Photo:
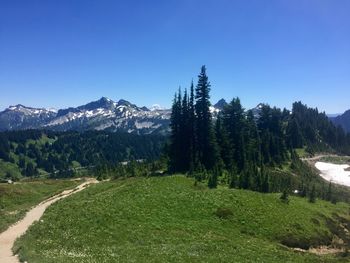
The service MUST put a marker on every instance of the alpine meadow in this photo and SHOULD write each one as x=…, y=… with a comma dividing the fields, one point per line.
x=249, y=161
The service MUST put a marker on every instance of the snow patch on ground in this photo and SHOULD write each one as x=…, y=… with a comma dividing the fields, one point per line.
x=335, y=173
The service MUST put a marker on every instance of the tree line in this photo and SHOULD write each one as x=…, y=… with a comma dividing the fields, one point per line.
x=242, y=146
x=58, y=153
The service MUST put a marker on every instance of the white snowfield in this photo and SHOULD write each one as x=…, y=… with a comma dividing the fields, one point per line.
x=334, y=173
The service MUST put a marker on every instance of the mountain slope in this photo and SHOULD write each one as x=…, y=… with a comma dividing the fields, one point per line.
x=21, y=117
x=343, y=120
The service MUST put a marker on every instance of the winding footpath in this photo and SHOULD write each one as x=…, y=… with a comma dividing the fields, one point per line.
x=8, y=238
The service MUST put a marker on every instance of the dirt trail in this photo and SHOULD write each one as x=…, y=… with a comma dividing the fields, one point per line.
x=8, y=238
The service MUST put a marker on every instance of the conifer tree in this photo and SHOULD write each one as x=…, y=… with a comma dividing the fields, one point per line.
x=192, y=128
x=232, y=177
x=175, y=137
x=185, y=130
x=213, y=177
x=294, y=135
x=223, y=142
x=285, y=196
x=234, y=121
x=206, y=145
x=312, y=196
x=329, y=192
x=266, y=181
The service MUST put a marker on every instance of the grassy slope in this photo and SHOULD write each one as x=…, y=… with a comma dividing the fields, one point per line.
x=16, y=199
x=6, y=167
x=171, y=220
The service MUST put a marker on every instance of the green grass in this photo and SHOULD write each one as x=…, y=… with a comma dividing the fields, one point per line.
x=16, y=199
x=302, y=152
x=169, y=219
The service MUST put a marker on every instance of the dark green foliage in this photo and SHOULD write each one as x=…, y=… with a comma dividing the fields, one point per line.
x=270, y=126
x=329, y=192
x=232, y=182
x=30, y=170
x=252, y=151
x=205, y=138
x=130, y=169
x=213, y=177
x=285, y=197
x=223, y=212
x=192, y=135
x=62, y=154
x=317, y=131
x=294, y=135
x=265, y=187
x=223, y=141
x=312, y=196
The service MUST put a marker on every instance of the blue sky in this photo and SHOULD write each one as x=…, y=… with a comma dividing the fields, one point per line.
x=59, y=53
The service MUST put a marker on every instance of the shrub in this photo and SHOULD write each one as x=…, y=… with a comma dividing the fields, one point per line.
x=223, y=212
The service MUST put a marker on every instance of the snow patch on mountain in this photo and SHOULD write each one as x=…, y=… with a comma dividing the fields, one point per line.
x=101, y=114
x=156, y=107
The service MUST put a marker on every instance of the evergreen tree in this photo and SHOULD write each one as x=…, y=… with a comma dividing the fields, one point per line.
x=30, y=170
x=192, y=128
x=294, y=136
x=213, y=177
x=285, y=196
x=232, y=177
x=329, y=192
x=185, y=129
x=206, y=145
x=312, y=196
x=266, y=182
x=234, y=121
x=223, y=142
x=175, y=137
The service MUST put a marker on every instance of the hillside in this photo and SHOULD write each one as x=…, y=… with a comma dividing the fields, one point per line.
x=343, y=120
x=64, y=154
x=169, y=219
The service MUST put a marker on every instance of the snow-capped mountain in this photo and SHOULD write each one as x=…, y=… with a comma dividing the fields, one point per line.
x=22, y=117
x=103, y=114
x=257, y=110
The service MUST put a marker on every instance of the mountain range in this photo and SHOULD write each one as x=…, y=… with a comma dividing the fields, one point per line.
x=103, y=114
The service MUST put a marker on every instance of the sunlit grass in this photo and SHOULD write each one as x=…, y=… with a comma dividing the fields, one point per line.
x=170, y=220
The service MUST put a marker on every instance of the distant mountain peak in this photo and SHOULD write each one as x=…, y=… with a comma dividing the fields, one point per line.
x=125, y=103
x=29, y=110
x=155, y=107
x=105, y=99
x=220, y=104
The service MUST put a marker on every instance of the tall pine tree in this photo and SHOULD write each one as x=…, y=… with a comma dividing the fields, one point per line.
x=206, y=145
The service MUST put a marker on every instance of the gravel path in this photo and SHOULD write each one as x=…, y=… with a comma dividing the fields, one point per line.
x=8, y=238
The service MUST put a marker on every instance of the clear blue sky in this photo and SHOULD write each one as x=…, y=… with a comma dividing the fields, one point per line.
x=63, y=53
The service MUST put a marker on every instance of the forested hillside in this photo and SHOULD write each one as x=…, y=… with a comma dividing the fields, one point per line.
x=33, y=152
x=256, y=151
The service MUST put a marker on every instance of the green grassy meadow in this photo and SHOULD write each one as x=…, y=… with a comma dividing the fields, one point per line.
x=170, y=219
x=16, y=199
